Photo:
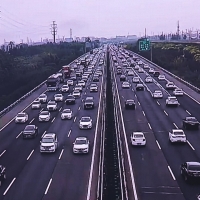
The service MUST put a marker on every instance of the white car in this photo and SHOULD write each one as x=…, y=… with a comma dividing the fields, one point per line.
x=148, y=79
x=81, y=145
x=21, y=117
x=170, y=86
x=93, y=87
x=44, y=116
x=42, y=98
x=136, y=67
x=138, y=138
x=140, y=70
x=157, y=94
x=130, y=73
x=52, y=105
x=151, y=71
x=70, y=82
x=64, y=88
x=48, y=143
x=67, y=114
x=85, y=123
x=177, y=135
x=78, y=87
x=58, y=97
x=136, y=79
x=161, y=77
x=36, y=104
x=126, y=85
x=146, y=66
x=76, y=93
x=81, y=83
x=172, y=101
x=178, y=92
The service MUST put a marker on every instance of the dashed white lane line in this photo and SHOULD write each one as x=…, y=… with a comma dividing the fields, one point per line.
x=135, y=96
x=43, y=133
x=143, y=113
x=171, y=173
x=132, y=89
x=79, y=108
x=158, y=144
x=85, y=92
x=41, y=109
x=123, y=97
x=138, y=103
x=60, y=109
x=30, y=154
x=191, y=145
x=2, y=153
x=158, y=103
x=165, y=113
x=48, y=186
x=74, y=119
x=18, y=134
x=31, y=121
x=188, y=112
x=52, y=120
x=175, y=125
x=69, y=133
x=9, y=186
x=82, y=100
x=149, y=126
x=61, y=154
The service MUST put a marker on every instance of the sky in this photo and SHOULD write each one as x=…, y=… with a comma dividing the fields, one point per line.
x=32, y=19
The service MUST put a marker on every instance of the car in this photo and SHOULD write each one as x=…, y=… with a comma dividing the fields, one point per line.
x=119, y=71
x=156, y=73
x=95, y=79
x=64, y=88
x=139, y=87
x=93, y=87
x=161, y=77
x=21, y=117
x=190, y=123
x=78, y=87
x=48, y=143
x=99, y=72
x=138, y=138
x=170, y=86
x=130, y=104
x=89, y=103
x=136, y=79
x=52, y=105
x=44, y=116
x=58, y=97
x=36, y=104
x=76, y=93
x=190, y=170
x=81, y=83
x=81, y=145
x=178, y=92
x=151, y=71
x=148, y=79
x=130, y=73
x=146, y=66
x=157, y=94
x=137, y=67
x=122, y=78
x=70, y=99
x=128, y=69
x=140, y=70
x=85, y=123
x=70, y=82
x=67, y=114
x=172, y=101
x=30, y=131
x=177, y=135
x=73, y=77
x=2, y=174
x=126, y=85
x=42, y=98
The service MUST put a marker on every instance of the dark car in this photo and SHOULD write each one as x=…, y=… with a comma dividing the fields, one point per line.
x=95, y=79
x=2, y=174
x=190, y=170
x=122, y=78
x=139, y=87
x=89, y=103
x=30, y=131
x=70, y=99
x=119, y=71
x=190, y=123
x=130, y=104
x=156, y=73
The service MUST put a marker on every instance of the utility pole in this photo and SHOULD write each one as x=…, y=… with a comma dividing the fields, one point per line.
x=54, y=31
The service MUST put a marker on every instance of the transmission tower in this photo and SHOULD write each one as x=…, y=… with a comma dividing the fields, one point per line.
x=54, y=31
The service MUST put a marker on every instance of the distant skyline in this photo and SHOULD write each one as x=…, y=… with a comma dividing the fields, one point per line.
x=22, y=19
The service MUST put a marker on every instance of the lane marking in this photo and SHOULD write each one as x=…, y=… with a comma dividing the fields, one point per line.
x=60, y=109
x=143, y=113
x=53, y=120
x=30, y=154
x=171, y=172
x=138, y=103
x=191, y=145
x=43, y=133
x=135, y=96
x=9, y=186
x=123, y=97
x=175, y=125
x=41, y=109
x=158, y=144
x=2, y=153
x=19, y=134
x=79, y=108
x=188, y=112
x=149, y=126
x=158, y=103
x=82, y=100
x=61, y=154
x=165, y=113
x=48, y=186
x=31, y=121
x=69, y=133
x=74, y=119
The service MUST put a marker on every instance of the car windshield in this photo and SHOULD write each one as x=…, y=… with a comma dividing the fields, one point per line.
x=67, y=111
x=194, y=167
x=85, y=119
x=65, y=86
x=44, y=113
x=21, y=115
x=36, y=102
x=51, y=103
x=81, y=141
x=157, y=91
x=42, y=95
x=47, y=140
x=138, y=135
x=192, y=119
x=58, y=95
x=178, y=133
x=93, y=85
x=130, y=101
x=29, y=128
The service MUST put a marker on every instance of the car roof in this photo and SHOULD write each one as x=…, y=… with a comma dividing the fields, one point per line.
x=193, y=163
x=81, y=138
x=49, y=135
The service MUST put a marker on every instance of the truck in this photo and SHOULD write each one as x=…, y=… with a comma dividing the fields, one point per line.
x=53, y=82
x=66, y=71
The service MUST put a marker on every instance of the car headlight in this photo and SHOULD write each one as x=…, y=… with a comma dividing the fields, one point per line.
x=42, y=148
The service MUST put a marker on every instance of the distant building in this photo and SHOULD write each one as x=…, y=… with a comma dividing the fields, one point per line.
x=121, y=37
x=132, y=37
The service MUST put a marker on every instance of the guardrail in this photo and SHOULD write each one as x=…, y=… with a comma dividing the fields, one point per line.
x=169, y=73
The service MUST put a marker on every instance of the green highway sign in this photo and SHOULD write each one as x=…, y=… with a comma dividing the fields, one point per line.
x=144, y=44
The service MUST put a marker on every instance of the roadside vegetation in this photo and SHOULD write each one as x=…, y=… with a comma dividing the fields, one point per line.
x=182, y=60
x=25, y=67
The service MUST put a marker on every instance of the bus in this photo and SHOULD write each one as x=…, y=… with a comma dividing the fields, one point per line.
x=53, y=82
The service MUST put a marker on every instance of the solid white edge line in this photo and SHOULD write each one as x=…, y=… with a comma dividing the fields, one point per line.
x=61, y=154
x=2, y=153
x=30, y=154
x=48, y=186
x=158, y=144
x=31, y=121
x=94, y=145
x=9, y=186
x=53, y=120
x=175, y=125
x=171, y=172
x=191, y=145
x=149, y=126
x=69, y=133
x=18, y=134
x=188, y=112
x=192, y=98
x=165, y=113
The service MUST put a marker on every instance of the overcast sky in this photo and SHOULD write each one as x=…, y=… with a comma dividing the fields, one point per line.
x=20, y=19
